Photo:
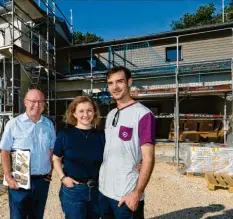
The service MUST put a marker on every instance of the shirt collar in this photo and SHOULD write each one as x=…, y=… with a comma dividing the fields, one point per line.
x=25, y=118
x=127, y=106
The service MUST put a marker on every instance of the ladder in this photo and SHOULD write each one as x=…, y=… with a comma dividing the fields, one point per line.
x=35, y=76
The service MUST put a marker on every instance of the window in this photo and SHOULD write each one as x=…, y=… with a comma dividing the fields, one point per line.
x=171, y=54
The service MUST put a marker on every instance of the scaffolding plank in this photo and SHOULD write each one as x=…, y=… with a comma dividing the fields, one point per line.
x=22, y=55
x=5, y=51
x=33, y=10
x=26, y=57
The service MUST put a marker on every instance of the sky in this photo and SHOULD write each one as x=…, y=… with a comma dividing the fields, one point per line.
x=119, y=19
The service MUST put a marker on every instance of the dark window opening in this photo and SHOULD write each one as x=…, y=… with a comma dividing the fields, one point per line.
x=171, y=54
x=83, y=65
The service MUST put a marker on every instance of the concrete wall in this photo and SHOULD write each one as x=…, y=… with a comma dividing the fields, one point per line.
x=24, y=40
x=5, y=41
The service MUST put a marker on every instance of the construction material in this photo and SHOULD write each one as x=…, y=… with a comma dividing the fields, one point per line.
x=191, y=136
x=209, y=159
x=209, y=136
x=205, y=126
x=190, y=126
x=197, y=131
x=189, y=174
x=217, y=180
x=172, y=136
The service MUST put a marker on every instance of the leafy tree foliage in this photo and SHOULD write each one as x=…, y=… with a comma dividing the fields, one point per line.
x=205, y=14
x=80, y=38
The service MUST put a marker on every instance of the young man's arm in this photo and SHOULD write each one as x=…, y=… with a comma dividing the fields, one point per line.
x=148, y=160
x=146, y=133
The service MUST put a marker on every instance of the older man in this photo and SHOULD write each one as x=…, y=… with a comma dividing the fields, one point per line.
x=36, y=133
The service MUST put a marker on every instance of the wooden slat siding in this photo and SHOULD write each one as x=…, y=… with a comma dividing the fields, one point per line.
x=228, y=179
x=141, y=57
x=206, y=50
x=220, y=180
x=203, y=50
x=102, y=57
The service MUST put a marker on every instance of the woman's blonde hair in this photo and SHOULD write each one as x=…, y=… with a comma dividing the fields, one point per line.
x=69, y=117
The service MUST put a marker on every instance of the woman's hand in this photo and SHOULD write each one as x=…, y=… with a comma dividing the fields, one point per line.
x=138, y=167
x=69, y=182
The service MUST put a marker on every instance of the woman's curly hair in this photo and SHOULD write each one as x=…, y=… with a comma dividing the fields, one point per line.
x=69, y=117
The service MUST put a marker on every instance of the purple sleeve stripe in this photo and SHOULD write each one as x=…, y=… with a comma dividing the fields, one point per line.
x=147, y=129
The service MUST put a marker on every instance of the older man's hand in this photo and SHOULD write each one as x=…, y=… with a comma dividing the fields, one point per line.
x=12, y=183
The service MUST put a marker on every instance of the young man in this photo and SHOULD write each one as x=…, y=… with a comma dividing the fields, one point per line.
x=130, y=139
x=30, y=131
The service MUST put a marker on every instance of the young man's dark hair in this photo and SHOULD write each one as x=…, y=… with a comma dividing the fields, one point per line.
x=117, y=69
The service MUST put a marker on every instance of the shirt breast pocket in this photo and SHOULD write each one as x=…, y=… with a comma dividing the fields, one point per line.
x=125, y=133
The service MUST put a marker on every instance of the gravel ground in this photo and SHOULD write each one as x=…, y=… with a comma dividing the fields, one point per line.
x=169, y=195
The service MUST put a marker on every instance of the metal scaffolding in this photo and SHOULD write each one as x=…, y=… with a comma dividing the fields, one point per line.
x=189, y=78
x=28, y=45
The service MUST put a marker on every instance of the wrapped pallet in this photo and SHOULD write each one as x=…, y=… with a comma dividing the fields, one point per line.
x=209, y=159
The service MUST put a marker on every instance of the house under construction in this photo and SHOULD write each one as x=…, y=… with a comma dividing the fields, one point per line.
x=29, y=36
x=184, y=77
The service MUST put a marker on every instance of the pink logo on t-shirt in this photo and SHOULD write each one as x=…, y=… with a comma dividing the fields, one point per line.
x=125, y=133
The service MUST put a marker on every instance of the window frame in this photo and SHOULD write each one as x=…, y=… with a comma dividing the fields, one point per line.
x=173, y=48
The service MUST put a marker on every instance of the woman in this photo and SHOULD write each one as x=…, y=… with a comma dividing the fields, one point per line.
x=81, y=149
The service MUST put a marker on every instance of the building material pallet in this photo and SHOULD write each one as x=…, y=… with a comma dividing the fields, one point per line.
x=193, y=174
x=222, y=180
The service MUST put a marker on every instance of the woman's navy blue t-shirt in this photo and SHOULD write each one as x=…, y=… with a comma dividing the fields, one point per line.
x=82, y=152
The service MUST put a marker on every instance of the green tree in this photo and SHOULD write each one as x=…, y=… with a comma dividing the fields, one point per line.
x=79, y=38
x=229, y=11
x=204, y=15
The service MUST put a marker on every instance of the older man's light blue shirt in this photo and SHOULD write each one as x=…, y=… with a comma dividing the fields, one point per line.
x=22, y=133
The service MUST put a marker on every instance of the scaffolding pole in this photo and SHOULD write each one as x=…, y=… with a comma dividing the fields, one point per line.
x=48, y=66
x=231, y=119
x=225, y=118
x=71, y=27
x=180, y=73
x=12, y=59
x=9, y=106
x=91, y=71
x=177, y=103
x=54, y=60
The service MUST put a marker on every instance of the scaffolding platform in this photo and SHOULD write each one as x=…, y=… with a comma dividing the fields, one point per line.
x=21, y=54
x=6, y=51
x=222, y=88
x=30, y=7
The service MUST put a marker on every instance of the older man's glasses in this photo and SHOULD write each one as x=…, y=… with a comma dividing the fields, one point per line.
x=33, y=102
x=116, y=118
